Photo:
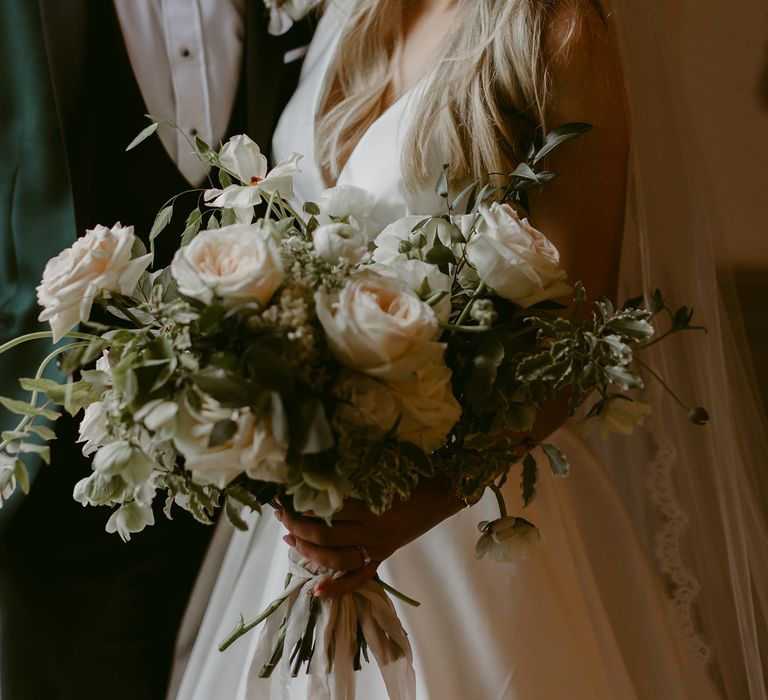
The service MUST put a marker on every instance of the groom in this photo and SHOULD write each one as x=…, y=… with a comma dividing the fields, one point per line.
x=83, y=615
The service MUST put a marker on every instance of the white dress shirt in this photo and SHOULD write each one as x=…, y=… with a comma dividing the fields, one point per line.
x=187, y=56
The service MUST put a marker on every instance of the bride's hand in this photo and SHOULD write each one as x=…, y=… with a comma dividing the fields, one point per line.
x=356, y=531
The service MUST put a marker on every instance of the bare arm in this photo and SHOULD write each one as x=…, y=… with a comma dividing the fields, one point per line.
x=582, y=212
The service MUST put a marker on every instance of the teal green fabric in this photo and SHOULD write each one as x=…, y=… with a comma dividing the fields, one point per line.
x=37, y=216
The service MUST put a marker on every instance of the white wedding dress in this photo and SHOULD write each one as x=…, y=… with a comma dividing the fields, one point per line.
x=584, y=618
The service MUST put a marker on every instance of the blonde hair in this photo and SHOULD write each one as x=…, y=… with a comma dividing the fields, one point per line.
x=485, y=97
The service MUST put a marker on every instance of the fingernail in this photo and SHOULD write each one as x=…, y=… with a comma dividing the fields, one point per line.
x=279, y=515
x=290, y=540
x=318, y=591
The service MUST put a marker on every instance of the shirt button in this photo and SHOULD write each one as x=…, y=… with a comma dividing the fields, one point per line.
x=185, y=52
x=193, y=131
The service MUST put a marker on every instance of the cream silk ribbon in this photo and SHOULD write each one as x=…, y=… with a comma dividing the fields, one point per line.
x=335, y=628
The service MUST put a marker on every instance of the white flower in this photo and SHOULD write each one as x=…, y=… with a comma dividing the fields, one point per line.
x=335, y=241
x=424, y=279
x=346, y=202
x=120, y=458
x=366, y=402
x=507, y=539
x=378, y=325
x=398, y=242
x=283, y=13
x=159, y=416
x=247, y=447
x=429, y=408
x=100, y=261
x=93, y=427
x=129, y=518
x=239, y=264
x=618, y=414
x=242, y=157
x=423, y=408
x=101, y=490
x=514, y=259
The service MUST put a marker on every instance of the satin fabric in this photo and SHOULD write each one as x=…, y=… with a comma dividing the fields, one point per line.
x=584, y=617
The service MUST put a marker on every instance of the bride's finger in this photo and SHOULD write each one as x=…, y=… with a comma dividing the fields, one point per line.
x=341, y=559
x=351, y=581
x=317, y=532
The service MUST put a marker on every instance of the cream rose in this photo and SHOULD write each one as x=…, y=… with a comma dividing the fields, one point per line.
x=100, y=261
x=239, y=263
x=248, y=448
x=423, y=407
x=366, y=402
x=424, y=279
x=378, y=325
x=335, y=241
x=514, y=259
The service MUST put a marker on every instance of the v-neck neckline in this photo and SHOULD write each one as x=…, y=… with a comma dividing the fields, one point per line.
x=330, y=57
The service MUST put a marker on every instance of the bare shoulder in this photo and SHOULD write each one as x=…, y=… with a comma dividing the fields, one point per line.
x=583, y=60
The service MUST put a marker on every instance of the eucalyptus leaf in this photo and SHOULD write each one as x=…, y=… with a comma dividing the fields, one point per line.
x=21, y=474
x=441, y=255
x=144, y=134
x=558, y=136
x=24, y=409
x=162, y=220
x=311, y=208
x=228, y=217
x=192, y=226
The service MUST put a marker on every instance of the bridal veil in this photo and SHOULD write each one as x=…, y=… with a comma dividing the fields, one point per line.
x=698, y=494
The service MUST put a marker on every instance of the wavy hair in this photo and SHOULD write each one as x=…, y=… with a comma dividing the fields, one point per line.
x=487, y=93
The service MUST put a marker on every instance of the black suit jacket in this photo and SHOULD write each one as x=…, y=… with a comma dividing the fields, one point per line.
x=83, y=615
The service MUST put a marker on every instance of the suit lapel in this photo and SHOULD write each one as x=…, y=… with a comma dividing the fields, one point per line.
x=269, y=82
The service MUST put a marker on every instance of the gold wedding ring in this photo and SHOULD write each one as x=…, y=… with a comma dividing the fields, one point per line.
x=366, y=556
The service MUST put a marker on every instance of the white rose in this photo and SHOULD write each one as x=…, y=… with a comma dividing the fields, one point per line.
x=429, y=408
x=618, y=414
x=378, y=325
x=345, y=202
x=335, y=241
x=366, y=402
x=514, y=259
x=239, y=263
x=507, y=539
x=424, y=279
x=100, y=261
x=423, y=407
x=250, y=448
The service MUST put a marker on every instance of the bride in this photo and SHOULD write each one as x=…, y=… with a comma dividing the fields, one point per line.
x=390, y=91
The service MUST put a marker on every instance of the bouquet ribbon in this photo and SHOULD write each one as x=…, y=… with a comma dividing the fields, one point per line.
x=331, y=629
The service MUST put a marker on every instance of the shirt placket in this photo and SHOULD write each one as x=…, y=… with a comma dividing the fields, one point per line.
x=186, y=57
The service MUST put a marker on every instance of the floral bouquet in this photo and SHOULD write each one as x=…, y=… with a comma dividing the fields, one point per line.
x=304, y=357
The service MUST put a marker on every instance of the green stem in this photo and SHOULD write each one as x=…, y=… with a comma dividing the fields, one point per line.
x=24, y=422
x=397, y=594
x=242, y=628
x=127, y=312
x=666, y=386
x=465, y=312
x=42, y=335
x=499, y=499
